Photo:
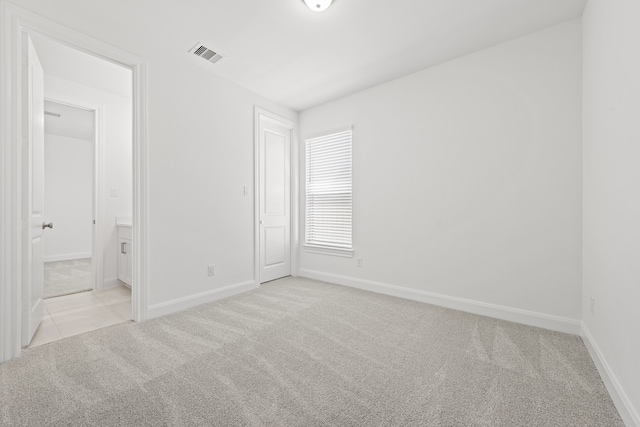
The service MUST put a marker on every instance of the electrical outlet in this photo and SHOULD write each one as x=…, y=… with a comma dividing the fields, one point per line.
x=359, y=262
x=114, y=192
x=593, y=306
x=212, y=270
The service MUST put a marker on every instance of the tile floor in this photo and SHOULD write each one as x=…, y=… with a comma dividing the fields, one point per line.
x=75, y=314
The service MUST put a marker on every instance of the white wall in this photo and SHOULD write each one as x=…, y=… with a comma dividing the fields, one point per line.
x=68, y=200
x=467, y=182
x=201, y=156
x=117, y=158
x=611, y=253
x=200, y=147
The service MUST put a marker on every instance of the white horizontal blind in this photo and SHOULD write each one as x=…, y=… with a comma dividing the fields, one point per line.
x=328, y=191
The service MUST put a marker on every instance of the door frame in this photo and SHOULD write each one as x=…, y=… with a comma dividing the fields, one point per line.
x=261, y=115
x=13, y=22
x=98, y=200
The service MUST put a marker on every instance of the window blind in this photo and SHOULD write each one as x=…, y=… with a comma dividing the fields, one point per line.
x=328, y=191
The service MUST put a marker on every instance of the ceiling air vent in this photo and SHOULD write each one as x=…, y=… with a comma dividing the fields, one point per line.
x=204, y=52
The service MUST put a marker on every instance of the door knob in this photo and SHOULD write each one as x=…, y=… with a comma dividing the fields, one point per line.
x=45, y=225
x=261, y=222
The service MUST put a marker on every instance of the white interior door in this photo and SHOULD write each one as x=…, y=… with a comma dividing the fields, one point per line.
x=33, y=199
x=275, y=199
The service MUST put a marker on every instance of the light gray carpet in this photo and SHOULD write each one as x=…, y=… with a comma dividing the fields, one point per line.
x=67, y=277
x=298, y=352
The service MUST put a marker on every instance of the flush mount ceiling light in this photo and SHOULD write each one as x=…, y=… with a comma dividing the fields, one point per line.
x=318, y=5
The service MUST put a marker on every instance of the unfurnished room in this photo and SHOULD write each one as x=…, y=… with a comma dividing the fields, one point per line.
x=320, y=213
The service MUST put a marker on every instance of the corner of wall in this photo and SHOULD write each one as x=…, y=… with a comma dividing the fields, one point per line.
x=623, y=404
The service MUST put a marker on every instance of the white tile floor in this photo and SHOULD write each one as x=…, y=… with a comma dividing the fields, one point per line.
x=78, y=313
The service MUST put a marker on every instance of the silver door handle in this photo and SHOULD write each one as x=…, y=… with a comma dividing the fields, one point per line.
x=123, y=245
x=45, y=225
x=261, y=222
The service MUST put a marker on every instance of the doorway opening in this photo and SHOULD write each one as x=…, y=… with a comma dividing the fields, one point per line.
x=69, y=182
x=88, y=136
x=15, y=280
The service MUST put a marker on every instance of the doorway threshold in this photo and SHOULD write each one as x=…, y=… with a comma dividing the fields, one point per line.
x=75, y=314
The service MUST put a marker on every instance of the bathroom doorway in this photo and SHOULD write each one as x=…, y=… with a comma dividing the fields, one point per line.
x=69, y=198
x=20, y=283
x=88, y=190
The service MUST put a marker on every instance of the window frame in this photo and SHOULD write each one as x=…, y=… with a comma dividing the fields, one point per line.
x=312, y=247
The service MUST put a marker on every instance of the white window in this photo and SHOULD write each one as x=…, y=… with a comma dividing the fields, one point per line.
x=328, y=194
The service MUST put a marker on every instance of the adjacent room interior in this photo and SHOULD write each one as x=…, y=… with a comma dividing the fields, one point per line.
x=87, y=191
x=326, y=212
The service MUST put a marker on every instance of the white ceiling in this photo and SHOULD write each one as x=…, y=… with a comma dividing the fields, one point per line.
x=70, y=64
x=299, y=58
x=73, y=122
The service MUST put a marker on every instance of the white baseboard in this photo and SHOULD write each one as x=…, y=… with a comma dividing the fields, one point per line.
x=111, y=282
x=67, y=257
x=184, y=303
x=531, y=318
x=625, y=408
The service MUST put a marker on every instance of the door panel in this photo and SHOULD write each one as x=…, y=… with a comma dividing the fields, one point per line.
x=275, y=239
x=37, y=277
x=274, y=174
x=275, y=199
x=33, y=207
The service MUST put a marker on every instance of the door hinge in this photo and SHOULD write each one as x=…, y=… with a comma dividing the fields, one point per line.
x=94, y=222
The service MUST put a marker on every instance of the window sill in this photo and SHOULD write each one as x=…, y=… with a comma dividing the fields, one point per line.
x=345, y=253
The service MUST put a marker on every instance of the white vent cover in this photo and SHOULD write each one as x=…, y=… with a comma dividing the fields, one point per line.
x=204, y=52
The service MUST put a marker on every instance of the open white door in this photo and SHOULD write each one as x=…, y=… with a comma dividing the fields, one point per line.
x=275, y=198
x=33, y=184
